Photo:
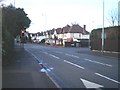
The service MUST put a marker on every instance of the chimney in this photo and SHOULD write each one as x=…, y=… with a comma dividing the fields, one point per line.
x=84, y=29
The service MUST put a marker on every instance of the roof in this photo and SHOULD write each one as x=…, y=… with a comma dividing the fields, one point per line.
x=66, y=29
x=86, y=32
x=76, y=29
x=59, y=30
x=50, y=32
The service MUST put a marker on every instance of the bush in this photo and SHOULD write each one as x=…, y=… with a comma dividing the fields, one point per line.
x=7, y=45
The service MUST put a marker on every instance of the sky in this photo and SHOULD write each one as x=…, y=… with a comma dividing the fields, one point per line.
x=49, y=14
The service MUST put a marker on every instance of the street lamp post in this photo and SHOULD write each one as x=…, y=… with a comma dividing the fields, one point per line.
x=45, y=16
x=103, y=30
x=14, y=3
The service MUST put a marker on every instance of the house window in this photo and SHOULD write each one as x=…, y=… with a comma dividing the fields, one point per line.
x=64, y=35
x=79, y=35
x=73, y=35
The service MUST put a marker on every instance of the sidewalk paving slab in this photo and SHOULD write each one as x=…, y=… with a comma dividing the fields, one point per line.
x=24, y=72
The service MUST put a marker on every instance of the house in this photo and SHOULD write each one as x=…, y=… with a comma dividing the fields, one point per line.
x=50, y=33
x=56, y=36
x=50, y=37
x=60, y=36
x=65, y=33
x=75, y=33
x=59, y=32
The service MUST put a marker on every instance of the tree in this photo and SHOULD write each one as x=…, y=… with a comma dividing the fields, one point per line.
x=13, y=21
x=113, y=17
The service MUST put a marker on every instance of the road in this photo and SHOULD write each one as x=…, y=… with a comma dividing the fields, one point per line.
x=70, y=68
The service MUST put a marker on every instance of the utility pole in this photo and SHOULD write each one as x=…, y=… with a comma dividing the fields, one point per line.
x=14, y=3
x=45, y=16
x=119, y=13
x=103, y=30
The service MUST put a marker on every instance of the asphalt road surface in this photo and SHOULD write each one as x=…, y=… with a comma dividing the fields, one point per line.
x=70, y=68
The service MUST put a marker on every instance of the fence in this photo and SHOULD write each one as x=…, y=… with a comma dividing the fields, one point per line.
x=111, y=40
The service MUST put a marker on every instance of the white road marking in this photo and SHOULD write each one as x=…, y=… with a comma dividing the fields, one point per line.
x=72, y=55
x=108, y=65
x=58, y=52
x=74, y=64
x=54, y=56
x=75, y=56
x=89, y=84
x=107, y=78
x=40, y=63
x=67, y=54
x=43, y=70
x=45, y=52
x=98, y=62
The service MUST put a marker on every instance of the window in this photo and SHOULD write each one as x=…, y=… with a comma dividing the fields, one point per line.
x=79, y=35
x=64, y=35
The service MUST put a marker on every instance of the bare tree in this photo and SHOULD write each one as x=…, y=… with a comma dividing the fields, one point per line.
x=113, y=17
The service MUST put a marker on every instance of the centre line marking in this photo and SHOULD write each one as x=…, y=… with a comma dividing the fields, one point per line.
x=68, y=54
x=58, y=52
x=54, y=56
x=45, y=52
x=74, y=64
x=75, y=56
x=98, y=62
x=72, y=55
x=107, y=78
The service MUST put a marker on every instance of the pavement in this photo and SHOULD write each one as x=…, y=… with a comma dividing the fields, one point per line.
x=101, y=54
x=23, y=71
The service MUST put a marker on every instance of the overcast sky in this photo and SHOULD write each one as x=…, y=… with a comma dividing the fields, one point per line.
x=49, y=14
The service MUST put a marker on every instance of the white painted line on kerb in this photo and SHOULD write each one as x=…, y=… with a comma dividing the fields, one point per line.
x=98, y=62
x=72, y=55
x=40, y=62
x=74, y=64
x=107, y=78
x=54, y=56
x=58, y=86
x=32, y=54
